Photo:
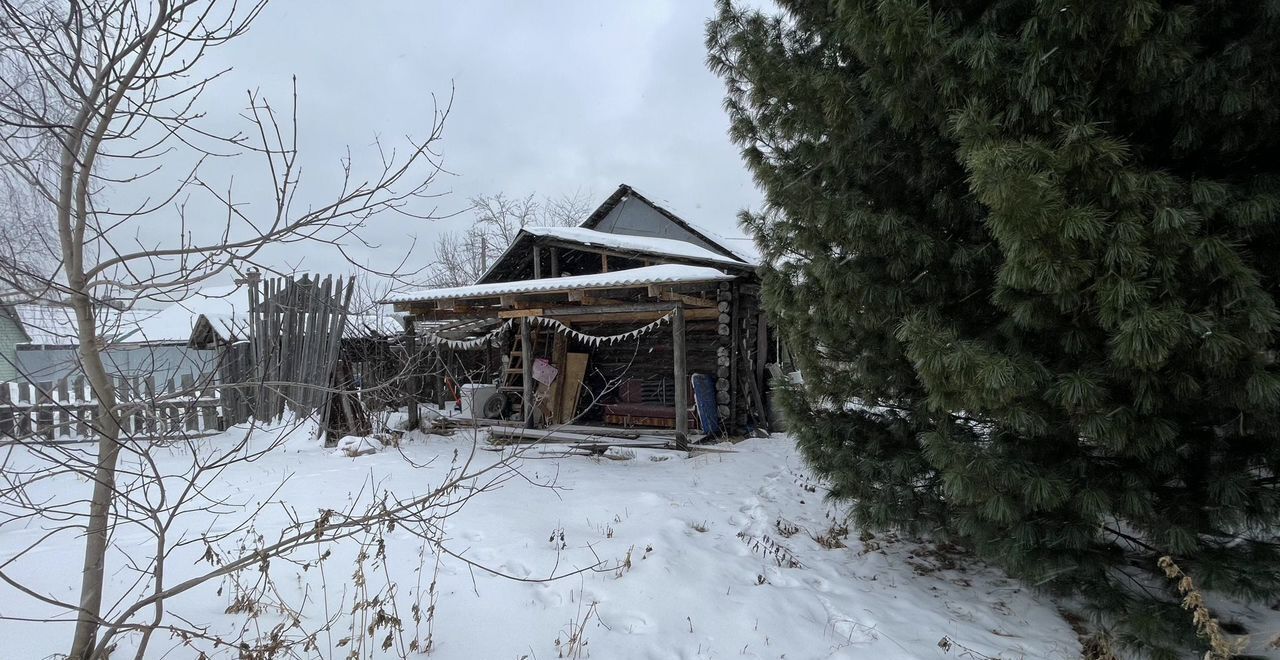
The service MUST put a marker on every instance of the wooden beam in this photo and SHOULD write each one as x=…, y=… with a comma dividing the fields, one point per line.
x=519, y=313
x=671, y=296
x=610, y=309
x=555, y=261
x=537, y=261
x=604, y=262
x=410, y=331
x=590, y=315
x=526, y=361
x=681, y=378
x=762, y=353
x=587, y=297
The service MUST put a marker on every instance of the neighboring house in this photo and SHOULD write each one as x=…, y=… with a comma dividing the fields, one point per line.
x=183, y=339
x=52, y=353
x=11, y=334
x=589, y=304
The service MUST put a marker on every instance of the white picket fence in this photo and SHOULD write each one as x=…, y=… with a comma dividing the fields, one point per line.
x=66, y=410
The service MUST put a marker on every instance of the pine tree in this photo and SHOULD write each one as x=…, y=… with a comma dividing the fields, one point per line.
x=1029, y=254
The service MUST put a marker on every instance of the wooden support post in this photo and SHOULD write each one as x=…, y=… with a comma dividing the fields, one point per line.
x=762, y=356
x=604, y=263
x=526, y=362
x=537, y=262
x=411, y=335
x=441, y=366
x=555, y=261
x=681, y=378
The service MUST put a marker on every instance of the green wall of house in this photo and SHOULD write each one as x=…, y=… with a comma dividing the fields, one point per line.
x=11, y=335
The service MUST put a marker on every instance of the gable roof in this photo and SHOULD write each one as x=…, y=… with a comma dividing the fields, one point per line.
x=741, y=249
x=631, y=277
x=651, y=232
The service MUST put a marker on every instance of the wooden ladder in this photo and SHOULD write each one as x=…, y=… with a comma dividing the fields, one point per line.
x=513, y=382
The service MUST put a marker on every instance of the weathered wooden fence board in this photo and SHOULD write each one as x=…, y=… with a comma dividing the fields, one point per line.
x=66, y=410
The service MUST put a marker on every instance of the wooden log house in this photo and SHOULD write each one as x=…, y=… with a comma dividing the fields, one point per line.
x=635, y=318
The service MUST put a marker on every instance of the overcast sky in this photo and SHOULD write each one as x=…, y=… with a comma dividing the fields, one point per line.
x=549, y=98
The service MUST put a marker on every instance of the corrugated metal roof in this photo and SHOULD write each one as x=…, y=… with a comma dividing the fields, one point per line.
x=55, y=325
x=661, y=274
x=626, y=242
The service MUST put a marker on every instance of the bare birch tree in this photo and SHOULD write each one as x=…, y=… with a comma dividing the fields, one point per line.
x=462, y=257
x=114, y=87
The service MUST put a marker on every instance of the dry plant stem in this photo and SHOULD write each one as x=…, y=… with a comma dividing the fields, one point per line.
x=1221, y=647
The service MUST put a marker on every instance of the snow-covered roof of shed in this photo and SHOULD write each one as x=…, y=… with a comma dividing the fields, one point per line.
x=660, y=274
x=223, y=307
x=55, y=325
x=642, y=244
x=174, y=323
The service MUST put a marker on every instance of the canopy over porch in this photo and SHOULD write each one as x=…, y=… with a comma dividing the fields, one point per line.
x=595, y=311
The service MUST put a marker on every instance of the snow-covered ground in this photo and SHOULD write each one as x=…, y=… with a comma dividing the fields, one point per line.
x=723, y=555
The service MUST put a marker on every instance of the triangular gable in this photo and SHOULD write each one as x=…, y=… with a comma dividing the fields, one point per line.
x=10, y=313
x=626, y=211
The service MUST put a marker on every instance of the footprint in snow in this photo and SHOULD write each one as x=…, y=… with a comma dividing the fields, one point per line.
x=627, y=623
x=515, y=569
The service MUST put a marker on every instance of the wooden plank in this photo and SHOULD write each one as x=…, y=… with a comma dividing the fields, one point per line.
x=589, y=297
x=411, y=400
x=626, y=317
x=762, y=355
x=526, y=361
x=574, y=371
x=83, y=415
x=556, y=437
x=610, y=309
x=735, y=358
x=190, y=414
x=681, y=378
x=290, y=362
x=559, y=357
x=518, y=313
x=22, y=416
x=691, y=301
x=209, y=416
x=6, y=410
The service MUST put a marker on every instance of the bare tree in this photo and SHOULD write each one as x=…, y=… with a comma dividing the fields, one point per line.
x=114, y=86
x=99, y=103
x=462, y=257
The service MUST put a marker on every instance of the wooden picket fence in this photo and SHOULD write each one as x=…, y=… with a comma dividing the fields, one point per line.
x=66, y=410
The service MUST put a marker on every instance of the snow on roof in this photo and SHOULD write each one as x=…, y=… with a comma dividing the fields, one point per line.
x=220, y=304
x=55, y=325
x=643, y=244
x=224, y=308
x=661, y=274
x=742, y=246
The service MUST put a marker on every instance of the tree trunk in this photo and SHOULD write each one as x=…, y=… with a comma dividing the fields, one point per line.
x=96, y=531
